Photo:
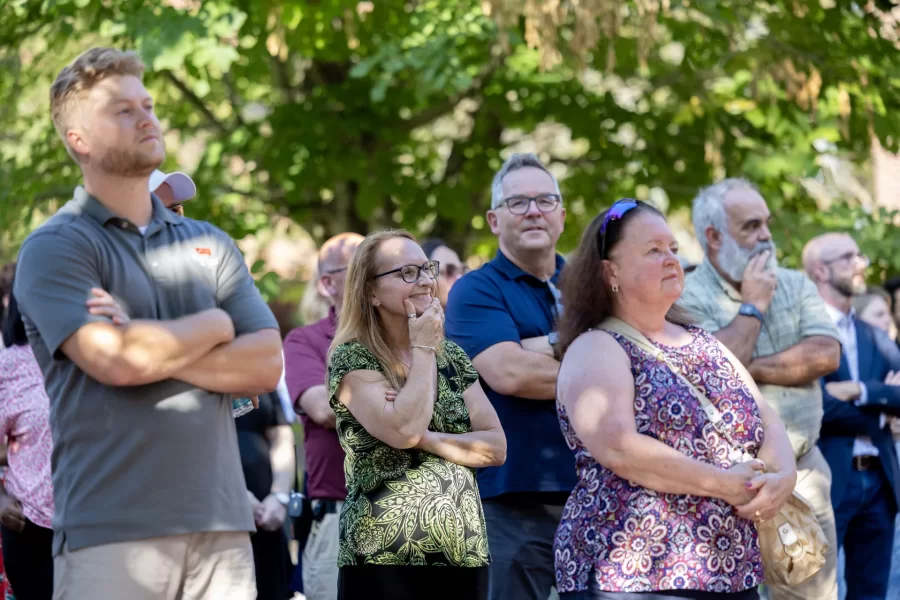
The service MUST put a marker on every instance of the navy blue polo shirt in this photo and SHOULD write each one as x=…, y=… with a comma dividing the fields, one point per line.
x=502, y=303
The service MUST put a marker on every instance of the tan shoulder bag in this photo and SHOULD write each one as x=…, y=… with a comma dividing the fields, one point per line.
x=792, y=544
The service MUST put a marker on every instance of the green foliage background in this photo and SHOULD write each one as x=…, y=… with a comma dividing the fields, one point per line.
x=346, y=115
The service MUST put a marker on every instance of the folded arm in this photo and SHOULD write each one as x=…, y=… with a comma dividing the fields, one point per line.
x=844, y=418
x=880, y=398
x=513, y=371
x=145, y=352
x=314, y=404
x=249, y=365
x=801, y=364
x=483, y=446
x=399, y=423
x=740, y=337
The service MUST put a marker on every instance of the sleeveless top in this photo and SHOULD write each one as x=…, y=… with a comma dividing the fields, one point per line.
x=408, y=507
x=632, y=539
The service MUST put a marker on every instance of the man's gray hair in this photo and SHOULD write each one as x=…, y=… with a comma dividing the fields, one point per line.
x=709, y=207
x=520, y=160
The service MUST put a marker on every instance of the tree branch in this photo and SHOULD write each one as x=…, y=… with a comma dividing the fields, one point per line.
x=433, y=112
x=197, y=102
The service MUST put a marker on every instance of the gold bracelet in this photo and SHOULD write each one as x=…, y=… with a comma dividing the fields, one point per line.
x=432, y=348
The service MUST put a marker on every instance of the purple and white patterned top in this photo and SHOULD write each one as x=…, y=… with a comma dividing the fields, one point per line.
x=633, y=539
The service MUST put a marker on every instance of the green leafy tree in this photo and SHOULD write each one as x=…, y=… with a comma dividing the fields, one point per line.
x=346, y=115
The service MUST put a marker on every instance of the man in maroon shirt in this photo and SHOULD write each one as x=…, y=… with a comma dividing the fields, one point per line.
x=305, y=358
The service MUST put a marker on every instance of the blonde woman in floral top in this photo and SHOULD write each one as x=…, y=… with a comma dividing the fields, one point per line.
x=663, y=509
x=414, y=423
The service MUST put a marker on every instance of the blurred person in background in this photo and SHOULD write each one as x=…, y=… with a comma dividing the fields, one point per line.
x=414, y=423
x=266, y=442
x=504, y=316
x=855, y=440
x=305, y=363
x=450, y=266
x=314, y=306
x=26, y=498
x=174, y=189
x=662, y=508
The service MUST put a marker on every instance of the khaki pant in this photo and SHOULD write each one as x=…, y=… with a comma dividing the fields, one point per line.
x=814, y=484
x=195, y=566
x=320, y=570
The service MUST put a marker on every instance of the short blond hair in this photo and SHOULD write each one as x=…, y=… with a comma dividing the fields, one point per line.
x=76, y=80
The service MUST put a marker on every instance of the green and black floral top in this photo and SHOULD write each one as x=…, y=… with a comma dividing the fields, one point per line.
x=408, y=507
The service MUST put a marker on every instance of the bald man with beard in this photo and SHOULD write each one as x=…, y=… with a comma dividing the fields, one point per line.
x=305, y=359
x=855, y=440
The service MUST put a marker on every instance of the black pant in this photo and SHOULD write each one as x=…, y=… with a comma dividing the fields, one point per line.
x=273, y=565
x=28, y=560
x=388, y=582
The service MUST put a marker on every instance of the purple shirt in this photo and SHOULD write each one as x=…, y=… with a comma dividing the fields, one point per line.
x=305, y=363
x=632, y=539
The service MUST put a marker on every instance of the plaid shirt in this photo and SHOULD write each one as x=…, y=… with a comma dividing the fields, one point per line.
x=796, y=312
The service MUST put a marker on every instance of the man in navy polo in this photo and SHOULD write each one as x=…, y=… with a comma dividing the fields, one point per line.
x=504, y=316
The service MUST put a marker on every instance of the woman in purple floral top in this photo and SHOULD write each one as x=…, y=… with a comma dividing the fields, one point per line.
x=659, y=509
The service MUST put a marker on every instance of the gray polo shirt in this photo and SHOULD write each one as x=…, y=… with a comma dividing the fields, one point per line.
x=133, y=463
x=796, y=312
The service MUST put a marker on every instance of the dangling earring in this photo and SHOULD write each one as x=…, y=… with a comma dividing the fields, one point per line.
x=615, y=288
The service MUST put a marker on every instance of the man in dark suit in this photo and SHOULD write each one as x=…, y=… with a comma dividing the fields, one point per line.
x=855, y=441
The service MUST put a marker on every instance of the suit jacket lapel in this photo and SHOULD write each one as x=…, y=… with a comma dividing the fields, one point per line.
x=865, y=347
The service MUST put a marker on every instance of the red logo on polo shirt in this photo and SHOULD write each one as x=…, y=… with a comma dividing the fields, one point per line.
x=204, y=251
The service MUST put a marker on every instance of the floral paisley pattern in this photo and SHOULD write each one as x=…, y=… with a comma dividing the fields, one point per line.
x=632, y=539
x=408, y=507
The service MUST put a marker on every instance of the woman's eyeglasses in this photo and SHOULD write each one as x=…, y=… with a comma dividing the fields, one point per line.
x=615, y=212
x=411, y=273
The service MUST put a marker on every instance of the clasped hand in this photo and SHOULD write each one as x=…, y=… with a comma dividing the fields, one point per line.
x=755, y=494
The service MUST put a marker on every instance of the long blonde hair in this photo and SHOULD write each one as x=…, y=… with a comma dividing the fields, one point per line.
x=359, y=321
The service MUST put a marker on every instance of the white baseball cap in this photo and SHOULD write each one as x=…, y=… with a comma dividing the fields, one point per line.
x=183, y=187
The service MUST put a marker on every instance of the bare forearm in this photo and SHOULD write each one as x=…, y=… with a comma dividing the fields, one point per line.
x=740, y=337
x=800, y=364
x=529, y=375
x=150, y=351
x=314, y=404
x=281, y=455
x=414, y=403
x=473, y=449
x=251, y=364
x=654, y=465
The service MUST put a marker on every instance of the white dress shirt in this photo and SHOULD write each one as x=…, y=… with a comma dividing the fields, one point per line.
x=863, y=445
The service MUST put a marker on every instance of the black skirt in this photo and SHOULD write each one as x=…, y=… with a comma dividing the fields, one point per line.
x=376, y=582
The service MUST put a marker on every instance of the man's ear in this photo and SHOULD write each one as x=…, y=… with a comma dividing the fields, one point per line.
x=78, y=143
x=713, y=238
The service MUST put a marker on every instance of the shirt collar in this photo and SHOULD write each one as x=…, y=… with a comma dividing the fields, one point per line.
x=100, y=213
x=837, y=316
x=706, y=269
x=508, y=268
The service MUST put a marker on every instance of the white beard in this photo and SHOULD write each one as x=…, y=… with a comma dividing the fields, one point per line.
x=733, y=259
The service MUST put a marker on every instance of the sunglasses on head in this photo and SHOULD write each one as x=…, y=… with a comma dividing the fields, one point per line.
x=615, y=213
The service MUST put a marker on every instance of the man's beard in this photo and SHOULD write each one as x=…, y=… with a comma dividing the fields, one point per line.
x=733, y=259
x=847, y=287
x=129, y=163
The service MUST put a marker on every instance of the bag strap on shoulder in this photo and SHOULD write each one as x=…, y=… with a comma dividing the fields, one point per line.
x=616, y=325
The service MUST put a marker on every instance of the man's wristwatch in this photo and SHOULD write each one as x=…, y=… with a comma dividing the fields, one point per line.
x=748, y=310
x=553, y=338
x=283, y=498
